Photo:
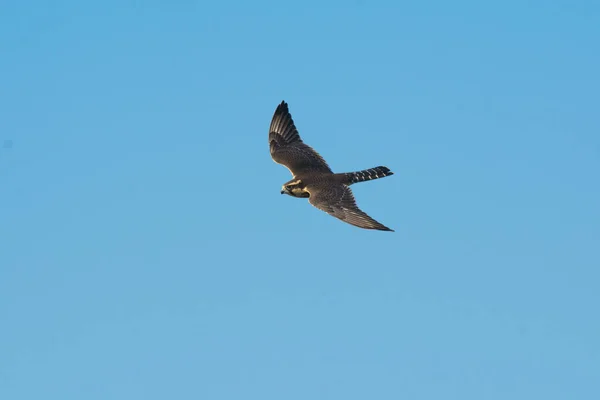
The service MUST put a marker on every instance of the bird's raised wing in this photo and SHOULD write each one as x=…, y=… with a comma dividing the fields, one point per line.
x=288, y=149
x=338, y=201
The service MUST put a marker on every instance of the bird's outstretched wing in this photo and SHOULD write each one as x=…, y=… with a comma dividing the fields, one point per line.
x=338, y=201
x=288, y=149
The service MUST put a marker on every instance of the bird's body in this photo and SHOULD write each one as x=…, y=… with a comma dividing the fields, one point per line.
x=312, y=177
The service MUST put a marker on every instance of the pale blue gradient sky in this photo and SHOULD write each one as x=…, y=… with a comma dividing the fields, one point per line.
x=146, y=253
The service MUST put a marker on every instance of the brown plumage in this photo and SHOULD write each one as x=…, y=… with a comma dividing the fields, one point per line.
x=312, y=177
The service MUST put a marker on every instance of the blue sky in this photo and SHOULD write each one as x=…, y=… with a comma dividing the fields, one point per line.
x=146, y=253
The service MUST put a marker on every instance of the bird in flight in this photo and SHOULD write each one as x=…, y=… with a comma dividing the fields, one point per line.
x=312, y=177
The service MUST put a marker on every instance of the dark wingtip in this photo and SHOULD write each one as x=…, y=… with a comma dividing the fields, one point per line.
x=382, y=228
x=282, y=108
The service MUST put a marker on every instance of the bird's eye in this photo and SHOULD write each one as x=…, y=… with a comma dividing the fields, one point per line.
x=288, y=187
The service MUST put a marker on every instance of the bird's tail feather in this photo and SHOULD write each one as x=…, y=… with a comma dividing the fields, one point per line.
x=368, y=174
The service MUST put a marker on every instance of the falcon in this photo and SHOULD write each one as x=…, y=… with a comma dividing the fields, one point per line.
x=312, y=177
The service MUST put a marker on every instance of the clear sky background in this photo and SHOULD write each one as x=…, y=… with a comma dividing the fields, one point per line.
x=146, y=253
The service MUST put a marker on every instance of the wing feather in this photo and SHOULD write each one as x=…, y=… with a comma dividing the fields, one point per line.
x=288, y=149
x=339, y=202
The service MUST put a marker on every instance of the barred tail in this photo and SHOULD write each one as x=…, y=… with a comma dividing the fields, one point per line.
x=368, y=174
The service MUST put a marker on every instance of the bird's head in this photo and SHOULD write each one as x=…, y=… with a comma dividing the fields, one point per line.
x=294, y=188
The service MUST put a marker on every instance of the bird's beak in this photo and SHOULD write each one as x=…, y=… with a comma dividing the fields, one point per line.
x=283, y=191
